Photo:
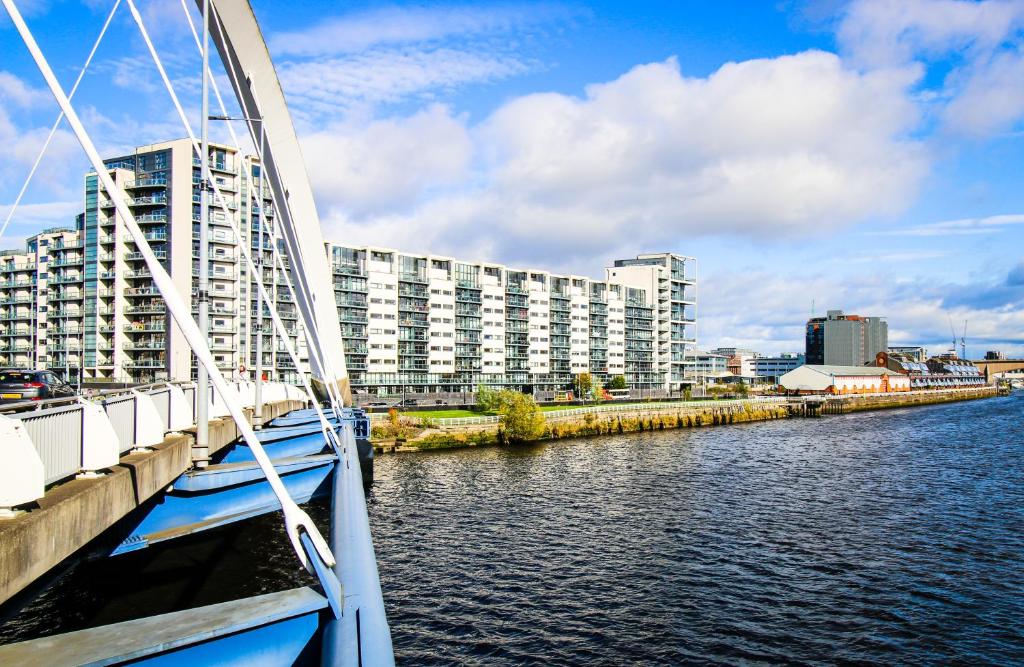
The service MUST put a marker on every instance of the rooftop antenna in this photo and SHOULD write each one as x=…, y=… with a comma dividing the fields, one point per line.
x=953, y=330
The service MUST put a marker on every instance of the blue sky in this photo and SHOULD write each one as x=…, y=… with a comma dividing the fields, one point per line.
x=858, y=155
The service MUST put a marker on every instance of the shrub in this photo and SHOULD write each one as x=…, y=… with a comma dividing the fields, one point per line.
x=487, y=399
x=617, y=382
x=520, y=417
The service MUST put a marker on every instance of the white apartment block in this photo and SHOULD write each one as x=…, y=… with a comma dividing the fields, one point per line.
x=82, y=301
x=671, y=280
x=426, y=323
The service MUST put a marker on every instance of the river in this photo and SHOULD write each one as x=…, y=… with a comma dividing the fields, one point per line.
x=892, y=536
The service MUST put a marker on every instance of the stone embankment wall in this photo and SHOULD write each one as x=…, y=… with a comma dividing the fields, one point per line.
x=653, y=418
x=916, y=398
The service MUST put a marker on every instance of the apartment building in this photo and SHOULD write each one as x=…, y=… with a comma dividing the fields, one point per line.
x=37, y=288
x=82, y=300
x=425, y=323
x=671, y=280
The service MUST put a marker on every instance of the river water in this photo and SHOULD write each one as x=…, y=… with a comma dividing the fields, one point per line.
x=892, y=536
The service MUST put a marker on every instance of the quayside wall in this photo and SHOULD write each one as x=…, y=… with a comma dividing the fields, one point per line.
x=652, y=417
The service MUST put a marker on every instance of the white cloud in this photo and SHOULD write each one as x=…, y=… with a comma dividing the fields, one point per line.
x=976, y=46
x=777, y=146
x=356, y=167
x=918, y=310
x=334, y=86
x=962, y=227
x=362, y=31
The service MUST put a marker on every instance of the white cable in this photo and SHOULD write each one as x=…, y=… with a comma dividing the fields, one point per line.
x=329, y=433
x=294, y=517
x=311, y=331
x=56, y=123
x=312, y=341
x=213, y=81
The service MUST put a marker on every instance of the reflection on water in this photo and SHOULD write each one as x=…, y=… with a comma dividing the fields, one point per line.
x=882, y=537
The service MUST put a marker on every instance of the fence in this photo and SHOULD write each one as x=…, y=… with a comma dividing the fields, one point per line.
x=51, y=440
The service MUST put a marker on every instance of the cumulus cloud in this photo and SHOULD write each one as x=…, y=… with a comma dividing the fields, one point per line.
x=357, y=168
x=974, y=46
x=774, y=146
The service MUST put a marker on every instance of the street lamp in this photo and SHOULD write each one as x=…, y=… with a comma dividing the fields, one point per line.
x=258, y=407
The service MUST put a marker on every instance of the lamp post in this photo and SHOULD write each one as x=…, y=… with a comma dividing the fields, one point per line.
x=202, y=449
x=258, y=407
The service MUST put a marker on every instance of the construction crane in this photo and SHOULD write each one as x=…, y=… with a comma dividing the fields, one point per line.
x=963, y=342
x=952, y=330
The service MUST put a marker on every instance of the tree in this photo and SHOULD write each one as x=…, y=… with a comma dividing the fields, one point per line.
x=597, y=391
x=617, y=382
x=584, y=385
x=520, y=417
x=487, y=399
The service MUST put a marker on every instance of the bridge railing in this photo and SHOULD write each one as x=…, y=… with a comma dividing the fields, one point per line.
x=47, y=441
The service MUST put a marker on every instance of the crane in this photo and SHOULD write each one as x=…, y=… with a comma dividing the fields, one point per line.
x=963, y=342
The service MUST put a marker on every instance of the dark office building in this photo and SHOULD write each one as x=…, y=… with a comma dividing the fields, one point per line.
x=845, y=340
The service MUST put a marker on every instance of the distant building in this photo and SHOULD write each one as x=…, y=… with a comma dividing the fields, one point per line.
x=912, y=352
x=845, y=340
x=829, y=379
x=708, y=365
x=994, y=355
x=770, y=369
x=741, y=360
x=935, y=373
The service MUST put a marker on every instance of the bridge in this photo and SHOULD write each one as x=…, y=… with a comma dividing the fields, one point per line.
x=992, y=367
x=129, y=470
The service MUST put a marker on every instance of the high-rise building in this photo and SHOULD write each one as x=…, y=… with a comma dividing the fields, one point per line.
x=845, y=340
x=82, y=301
x=430, y=323
x=671, y=280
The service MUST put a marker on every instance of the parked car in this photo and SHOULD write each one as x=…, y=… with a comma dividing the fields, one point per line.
x=407, y=403
x=375, y=404
x=21, y=385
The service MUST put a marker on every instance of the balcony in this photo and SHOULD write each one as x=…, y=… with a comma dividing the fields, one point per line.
x=146, y=183
x=8, y=268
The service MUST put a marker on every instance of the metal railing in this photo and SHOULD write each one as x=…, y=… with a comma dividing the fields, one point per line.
x=55, y=439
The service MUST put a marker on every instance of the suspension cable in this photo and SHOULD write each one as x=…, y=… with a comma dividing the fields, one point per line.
x=222, y=202
x=312, y=337
x=56, y=123
x=296, y=520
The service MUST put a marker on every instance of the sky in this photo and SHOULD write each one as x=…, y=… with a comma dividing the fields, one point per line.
x=861, y=155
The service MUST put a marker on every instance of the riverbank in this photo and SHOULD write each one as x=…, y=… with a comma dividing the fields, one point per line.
x=614, y=420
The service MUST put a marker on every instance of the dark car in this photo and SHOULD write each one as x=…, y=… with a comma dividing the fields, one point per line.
x=18, y=386
x=407, y=403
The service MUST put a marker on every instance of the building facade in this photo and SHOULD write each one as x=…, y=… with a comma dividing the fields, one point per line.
x=426, y=323
x=773, y=368
x=671, y=282
x=82, y=300
x=845, y=340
